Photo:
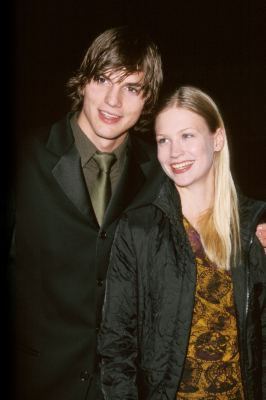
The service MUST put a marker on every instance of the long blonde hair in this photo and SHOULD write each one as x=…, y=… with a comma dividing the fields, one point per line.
x=219, y=226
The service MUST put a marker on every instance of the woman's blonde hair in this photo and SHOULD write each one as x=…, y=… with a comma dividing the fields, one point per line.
x=219, y=226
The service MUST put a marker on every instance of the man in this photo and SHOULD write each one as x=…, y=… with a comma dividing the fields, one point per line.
x=261, y=233
x=74, y=181
x=63, y=230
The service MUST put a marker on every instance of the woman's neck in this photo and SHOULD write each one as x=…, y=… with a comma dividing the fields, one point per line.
x=195, y=202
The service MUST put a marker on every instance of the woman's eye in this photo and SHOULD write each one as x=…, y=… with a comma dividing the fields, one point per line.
x=161, y=140
x=187, y=135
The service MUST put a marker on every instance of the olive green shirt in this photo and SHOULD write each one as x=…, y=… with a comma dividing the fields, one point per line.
x=87, y=149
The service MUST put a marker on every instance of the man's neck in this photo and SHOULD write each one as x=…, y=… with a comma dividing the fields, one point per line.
x=104, y=145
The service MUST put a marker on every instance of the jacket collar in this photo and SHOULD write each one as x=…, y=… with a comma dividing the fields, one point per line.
x=168, y=200
x=251, y=213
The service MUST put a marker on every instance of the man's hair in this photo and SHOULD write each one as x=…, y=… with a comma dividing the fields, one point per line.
x=126, y=50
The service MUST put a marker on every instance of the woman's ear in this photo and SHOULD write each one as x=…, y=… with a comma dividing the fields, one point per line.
x=219, y=139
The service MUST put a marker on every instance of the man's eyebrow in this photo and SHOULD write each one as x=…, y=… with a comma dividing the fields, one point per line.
x=136, y=84
x=103, y=75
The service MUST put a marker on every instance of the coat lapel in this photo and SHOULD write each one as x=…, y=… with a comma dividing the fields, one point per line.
x=141, y=171
x=135, y=184
x=131, y=180
x=68, y=171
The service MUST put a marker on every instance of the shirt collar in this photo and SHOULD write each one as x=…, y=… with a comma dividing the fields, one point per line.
x=87, y=149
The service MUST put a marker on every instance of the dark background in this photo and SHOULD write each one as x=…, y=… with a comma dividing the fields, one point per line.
x=218, y=46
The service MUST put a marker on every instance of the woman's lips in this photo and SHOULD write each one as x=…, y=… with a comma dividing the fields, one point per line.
x=180, y=168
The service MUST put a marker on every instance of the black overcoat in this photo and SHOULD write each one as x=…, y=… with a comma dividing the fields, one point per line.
x=59, y=261
x=150, y=300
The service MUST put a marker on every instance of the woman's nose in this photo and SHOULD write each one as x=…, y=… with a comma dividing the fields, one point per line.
x=176, y=148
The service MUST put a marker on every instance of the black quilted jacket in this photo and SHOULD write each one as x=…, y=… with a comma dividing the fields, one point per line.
x=150, y=297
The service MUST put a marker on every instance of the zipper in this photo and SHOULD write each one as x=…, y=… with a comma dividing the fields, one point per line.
x=248, y=273
x=246, y=315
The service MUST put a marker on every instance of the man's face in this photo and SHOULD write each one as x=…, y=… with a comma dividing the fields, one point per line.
x=111, y=107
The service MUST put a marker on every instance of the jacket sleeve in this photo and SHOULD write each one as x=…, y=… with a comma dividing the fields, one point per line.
x=259, y=258
x=118, y=337
x=263, y=323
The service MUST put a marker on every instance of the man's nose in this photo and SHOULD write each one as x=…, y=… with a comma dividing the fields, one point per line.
x=113, y=96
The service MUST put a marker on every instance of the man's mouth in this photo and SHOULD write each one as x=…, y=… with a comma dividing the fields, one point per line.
x=109, y=118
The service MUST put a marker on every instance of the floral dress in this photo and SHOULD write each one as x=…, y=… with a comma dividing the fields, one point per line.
x=212, y=367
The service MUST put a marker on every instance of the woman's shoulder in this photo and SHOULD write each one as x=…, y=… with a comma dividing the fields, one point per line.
x=251, y=211
x=137, y=228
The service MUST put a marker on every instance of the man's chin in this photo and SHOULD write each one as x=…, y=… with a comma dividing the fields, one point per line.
x=112, y=137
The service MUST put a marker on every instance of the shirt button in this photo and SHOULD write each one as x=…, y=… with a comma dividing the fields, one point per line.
x=100, y=282
x=103, y=235
x=84, y=375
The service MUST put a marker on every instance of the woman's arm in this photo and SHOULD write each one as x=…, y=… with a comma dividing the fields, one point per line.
x=118, y=345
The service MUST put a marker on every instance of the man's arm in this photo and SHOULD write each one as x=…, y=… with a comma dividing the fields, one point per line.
x=261, y=235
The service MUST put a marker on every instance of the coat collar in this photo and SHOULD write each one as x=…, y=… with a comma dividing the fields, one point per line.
x=60, y=138
x=168, y=200
x=141, y=167
x=68, y=171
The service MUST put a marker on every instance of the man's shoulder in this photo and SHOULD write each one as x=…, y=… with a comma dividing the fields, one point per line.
x=42, y=132
x=51, y=134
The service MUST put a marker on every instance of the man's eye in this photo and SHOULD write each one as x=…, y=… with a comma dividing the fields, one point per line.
x=100, y=79
x=133, y=89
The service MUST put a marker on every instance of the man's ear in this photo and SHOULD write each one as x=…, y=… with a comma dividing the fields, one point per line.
x=219, y=139
x=81, y=89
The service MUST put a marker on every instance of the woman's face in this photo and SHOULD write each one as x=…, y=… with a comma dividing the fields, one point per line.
x=186, y=147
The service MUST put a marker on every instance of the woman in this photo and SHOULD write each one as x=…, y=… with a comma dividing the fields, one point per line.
x=185, y=308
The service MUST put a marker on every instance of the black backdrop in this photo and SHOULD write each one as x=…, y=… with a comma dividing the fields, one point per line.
x=218, y=46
